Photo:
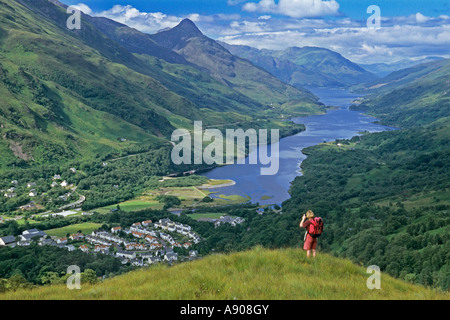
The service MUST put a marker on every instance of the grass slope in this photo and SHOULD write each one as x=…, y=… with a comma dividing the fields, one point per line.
x=257, y=274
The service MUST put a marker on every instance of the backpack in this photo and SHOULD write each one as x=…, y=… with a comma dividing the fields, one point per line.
x=315, y=229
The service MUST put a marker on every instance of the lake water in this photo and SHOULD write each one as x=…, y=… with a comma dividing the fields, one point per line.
x=340, y=123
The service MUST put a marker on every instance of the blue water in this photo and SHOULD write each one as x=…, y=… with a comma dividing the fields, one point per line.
x=340, y=123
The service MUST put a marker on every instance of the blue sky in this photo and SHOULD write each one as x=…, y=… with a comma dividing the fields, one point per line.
x=410, y=29
x=351, y=8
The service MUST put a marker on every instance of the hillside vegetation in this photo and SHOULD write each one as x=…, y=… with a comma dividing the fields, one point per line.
x=256, y=274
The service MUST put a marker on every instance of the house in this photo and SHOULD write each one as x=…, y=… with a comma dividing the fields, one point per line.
x=56, y=177
x=156, y=246
x=10, y=195
x=64, y=183
x=138, y=234
x=8, y=240
x=146, y=255
x=31, y=205
x=153, y=260
x=237, y=220
x=77, y=236
x=186, y=245
x=31, y=184
x=54, y=184
x=33, y=193
x=193, y=253
x=126, y=254
x=84, y=248
x=47, y=242
x=101, y=248
x=171, y=256
x=14, y=182
x=151, y=239
x=73, y=170
x=61, y=240
x=146, y=223
x=135, y=246
x=28, y=235
x=116, y=229
x=70, y=247
x=137, y=262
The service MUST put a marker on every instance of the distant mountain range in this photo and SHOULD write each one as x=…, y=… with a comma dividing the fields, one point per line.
x=307, y=66
x=383, y=69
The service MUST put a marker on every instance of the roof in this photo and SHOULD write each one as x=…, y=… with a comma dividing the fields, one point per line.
x=29, y=236
x=8, y=239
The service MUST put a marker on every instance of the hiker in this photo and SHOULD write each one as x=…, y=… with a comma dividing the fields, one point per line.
x=313, y=228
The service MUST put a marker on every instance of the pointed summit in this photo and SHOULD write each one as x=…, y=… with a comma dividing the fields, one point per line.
x=189, y=27
x=178, y=36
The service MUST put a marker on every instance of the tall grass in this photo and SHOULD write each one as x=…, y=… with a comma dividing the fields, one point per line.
x=259, y=274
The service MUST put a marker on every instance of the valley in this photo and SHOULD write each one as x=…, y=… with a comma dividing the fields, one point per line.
x=88, y=177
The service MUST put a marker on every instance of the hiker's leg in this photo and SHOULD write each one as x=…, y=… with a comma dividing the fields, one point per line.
x=308, y=253
x=314, y=253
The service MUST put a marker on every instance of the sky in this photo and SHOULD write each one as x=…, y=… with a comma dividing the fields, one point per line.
x=406, y=29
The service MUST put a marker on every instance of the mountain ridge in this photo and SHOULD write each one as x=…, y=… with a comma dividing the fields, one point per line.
x=306, y=66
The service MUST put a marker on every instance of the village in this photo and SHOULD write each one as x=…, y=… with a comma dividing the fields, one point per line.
x=142, y=244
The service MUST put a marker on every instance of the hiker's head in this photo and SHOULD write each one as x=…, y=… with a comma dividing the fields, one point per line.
x=309, y=214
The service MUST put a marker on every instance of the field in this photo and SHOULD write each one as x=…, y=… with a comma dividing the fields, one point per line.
x=197, y=216
x=133, y=205
x=85, y=228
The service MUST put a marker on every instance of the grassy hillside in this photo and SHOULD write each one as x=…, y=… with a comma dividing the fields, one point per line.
x=258, y=274
x=89, y=93
x=411, y=97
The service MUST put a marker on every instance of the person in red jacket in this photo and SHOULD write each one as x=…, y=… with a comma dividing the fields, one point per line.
x=310, y=242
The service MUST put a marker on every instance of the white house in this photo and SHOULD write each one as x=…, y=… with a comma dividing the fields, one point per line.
x=172, y=256
x=33, y=193
x=64, y=183
x=126, y=254
x=4, y=241
x=116, y=229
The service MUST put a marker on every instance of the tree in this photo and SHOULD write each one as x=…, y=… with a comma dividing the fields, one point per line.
x=89, y=276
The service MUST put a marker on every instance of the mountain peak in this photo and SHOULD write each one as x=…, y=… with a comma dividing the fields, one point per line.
x=178, y=36
x=188, y=27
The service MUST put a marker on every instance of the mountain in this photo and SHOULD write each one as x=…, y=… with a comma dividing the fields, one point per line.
x=410, y=97
x=258, y=274
x=307, y=66
x=108, y=89
x=240, y=74
x=383, y=69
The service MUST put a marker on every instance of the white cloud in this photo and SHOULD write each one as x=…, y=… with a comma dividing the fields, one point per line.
x=420, y=18
x=83, y=8
x=150, y=22
x=352, y=40
x=295, y=8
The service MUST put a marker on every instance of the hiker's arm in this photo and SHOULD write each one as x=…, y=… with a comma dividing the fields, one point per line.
x=303, y=220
